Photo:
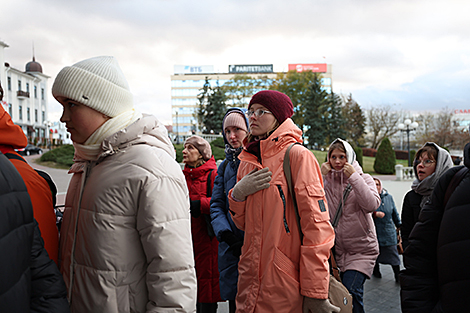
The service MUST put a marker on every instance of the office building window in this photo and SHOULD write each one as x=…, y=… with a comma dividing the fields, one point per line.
x=19, y=84
x=20, y=110
x=36, y=115
x=27, y=114
x=9, y=83
x=43, y=115
x=27, y=87
x=42, y=93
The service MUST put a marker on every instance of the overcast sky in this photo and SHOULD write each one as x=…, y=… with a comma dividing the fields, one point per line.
x=414, y=54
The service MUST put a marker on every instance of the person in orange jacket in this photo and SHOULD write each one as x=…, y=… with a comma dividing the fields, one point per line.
x=277, y=272
x=12, y=137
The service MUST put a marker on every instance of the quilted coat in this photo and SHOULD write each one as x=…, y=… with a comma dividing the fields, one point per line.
x=386, y=226
x=437, y=275
x=275, y=269
x=125, y=241
x=205, y=246
x=222, y=220
x=29, y=280
x=12, y=137
x=356, y=245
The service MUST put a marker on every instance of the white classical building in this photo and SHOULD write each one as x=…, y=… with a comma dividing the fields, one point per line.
x=25, y=97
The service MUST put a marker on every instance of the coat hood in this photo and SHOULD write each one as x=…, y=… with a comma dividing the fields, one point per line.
x=11, y=134
x=380, y=184
x=146, y=130
x=350, y=154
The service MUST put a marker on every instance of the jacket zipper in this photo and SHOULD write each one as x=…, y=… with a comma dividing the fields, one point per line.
x=283, y=198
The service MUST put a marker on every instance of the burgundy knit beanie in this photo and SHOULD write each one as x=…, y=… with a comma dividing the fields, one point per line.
x=276, y=102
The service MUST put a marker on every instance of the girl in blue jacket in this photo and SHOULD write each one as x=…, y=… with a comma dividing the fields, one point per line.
x=235, y=129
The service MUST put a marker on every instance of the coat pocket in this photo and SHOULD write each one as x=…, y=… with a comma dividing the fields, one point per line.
x=285, y=265
x=320, y=213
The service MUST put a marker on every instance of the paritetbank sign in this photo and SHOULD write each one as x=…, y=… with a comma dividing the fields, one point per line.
x=251, y=68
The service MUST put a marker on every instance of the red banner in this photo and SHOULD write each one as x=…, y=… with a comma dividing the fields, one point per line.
x=317, y=68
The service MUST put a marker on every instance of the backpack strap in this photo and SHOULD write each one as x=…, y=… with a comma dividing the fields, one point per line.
x=14, y=156
x=209, y=187
x=288, y=174
x=339, y=210
x=43, y=174
x=456, y=179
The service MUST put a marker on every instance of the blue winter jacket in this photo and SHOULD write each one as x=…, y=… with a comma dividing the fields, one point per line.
x=222, y=221
x=386, y=226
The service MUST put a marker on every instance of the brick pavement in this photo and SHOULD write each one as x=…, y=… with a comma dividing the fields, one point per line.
x=382, y=295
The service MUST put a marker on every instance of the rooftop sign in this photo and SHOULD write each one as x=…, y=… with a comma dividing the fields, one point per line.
x=254, y=68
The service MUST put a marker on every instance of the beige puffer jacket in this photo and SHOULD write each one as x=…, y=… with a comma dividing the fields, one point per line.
x=126, y=237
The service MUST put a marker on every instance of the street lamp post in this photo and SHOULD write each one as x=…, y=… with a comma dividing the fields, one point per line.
x=177, y=130
x=408, y=126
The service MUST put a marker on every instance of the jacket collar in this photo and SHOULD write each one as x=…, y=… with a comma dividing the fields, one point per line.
x=286, y=134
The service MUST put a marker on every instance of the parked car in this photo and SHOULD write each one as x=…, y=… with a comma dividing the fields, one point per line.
x=29, y=149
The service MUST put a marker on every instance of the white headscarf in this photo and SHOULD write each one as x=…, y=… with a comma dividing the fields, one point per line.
x=426, y=186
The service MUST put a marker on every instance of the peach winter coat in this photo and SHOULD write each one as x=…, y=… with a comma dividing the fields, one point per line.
x=275, y=270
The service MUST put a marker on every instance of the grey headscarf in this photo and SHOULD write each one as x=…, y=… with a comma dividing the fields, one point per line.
x=426, y=186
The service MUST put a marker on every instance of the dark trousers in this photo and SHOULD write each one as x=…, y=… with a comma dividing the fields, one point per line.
x=354, y=282
x=206, y=307
x=231, y=306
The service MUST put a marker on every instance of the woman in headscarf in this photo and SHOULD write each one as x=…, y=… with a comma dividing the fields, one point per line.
x=356, y=246
x=431, y=161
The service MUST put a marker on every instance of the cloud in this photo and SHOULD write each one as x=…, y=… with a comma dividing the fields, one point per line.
x=412, y=53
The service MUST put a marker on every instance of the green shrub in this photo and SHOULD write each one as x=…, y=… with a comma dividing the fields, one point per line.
x=385, y=159
x=219, y=142
x=55, y=154
x=218, y=150
x=65, y=160
x=358, y=151
x=412, y=155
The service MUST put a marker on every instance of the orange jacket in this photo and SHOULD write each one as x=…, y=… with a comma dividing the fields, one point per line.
x=275, y=270
x=12, y=137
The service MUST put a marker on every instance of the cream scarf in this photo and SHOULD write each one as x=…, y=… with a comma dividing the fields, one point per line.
x=91, y=149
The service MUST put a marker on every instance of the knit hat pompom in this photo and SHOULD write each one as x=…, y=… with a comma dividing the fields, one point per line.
x=98, y=83
x=201, y=145
x=276, y=102
x=235, y=119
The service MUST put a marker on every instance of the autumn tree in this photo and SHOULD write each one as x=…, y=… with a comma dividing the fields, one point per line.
x=296, y=86
x=315, y=106
x=442, y=129
x=202, y=98
x=334, y=119
x=211, y=108
x=383, y=122
x=241, y=87
x=355, y=121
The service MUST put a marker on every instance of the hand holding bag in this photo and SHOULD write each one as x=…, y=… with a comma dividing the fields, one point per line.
x=338, y=294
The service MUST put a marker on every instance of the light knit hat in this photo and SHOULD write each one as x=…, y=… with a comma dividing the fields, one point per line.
x=236, y=119
x=97, y=83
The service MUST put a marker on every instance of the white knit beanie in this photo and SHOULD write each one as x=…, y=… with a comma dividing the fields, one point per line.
x=97, y=83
